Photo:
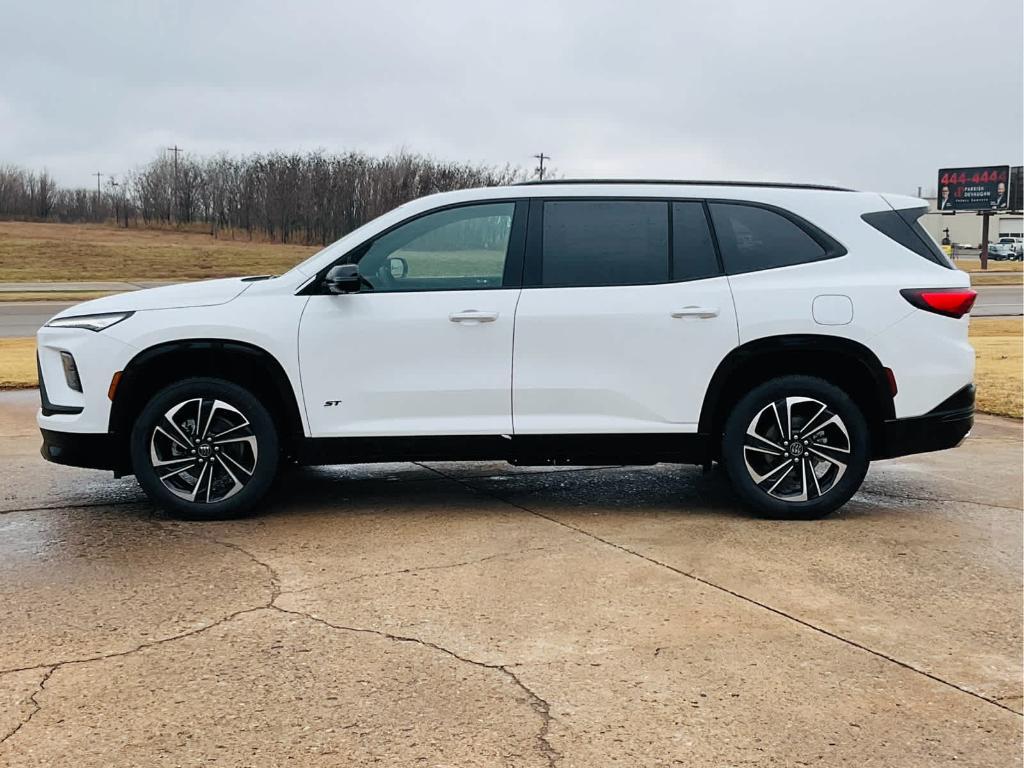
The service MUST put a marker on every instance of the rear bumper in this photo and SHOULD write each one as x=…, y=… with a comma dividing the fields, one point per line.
x=943, y=427
x=81, y=449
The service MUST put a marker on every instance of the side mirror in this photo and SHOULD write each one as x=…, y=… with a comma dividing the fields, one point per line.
x=398, y=267
x=343, y=278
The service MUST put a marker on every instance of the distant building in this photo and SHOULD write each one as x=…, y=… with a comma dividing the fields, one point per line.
x=965, y=227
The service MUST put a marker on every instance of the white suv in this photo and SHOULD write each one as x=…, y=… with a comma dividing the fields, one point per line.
x=793, y=333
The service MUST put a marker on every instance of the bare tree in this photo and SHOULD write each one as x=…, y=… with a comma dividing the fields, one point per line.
x=301, y=198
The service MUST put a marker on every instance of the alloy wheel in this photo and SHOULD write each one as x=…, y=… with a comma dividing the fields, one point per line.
x=796, y=449
x=203, y=450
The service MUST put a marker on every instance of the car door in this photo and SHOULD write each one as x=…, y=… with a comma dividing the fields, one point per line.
x=624, y=316
x=425, y=347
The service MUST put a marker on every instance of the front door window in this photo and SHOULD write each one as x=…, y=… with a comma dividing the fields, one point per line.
x=455, y=249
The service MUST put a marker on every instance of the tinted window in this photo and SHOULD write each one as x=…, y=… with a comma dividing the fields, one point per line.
x=693, y=253
x=905, y=228
x=756, y=238
x=604, y=242
x=455, y=249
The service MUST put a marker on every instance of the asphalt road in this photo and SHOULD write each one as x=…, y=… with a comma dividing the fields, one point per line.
x=996, y=300
x=482, y=615
x=24, y=318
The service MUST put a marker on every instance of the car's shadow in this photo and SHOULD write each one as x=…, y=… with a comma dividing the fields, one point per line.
x=469, y=488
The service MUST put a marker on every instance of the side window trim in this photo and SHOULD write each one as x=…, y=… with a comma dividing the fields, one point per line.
x=670, y=212
x=512, y=275
x=533, y=268
x=832, y=247
x=714, y=237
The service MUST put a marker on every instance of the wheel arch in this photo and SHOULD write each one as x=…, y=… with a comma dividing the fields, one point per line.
x=239, y=362
x=846, y=363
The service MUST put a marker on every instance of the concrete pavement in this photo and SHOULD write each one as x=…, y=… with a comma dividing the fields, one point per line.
x=23, y=318
x=483, y=615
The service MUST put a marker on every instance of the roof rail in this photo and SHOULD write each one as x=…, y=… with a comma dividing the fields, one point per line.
x=687, y=182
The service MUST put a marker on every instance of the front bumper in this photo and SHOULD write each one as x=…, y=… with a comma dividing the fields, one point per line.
x=945, y=426
x=82, y=449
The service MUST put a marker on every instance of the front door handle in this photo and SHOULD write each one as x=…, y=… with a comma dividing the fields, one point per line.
x=473, y=316
x=701, y=312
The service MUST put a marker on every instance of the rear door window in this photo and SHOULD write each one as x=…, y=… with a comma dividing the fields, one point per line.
x=604, y=242
x=752, y=238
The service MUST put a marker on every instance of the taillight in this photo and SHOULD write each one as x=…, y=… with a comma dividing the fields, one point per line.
x=951, y=302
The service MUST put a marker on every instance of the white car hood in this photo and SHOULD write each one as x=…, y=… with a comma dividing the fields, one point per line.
x=200, y=294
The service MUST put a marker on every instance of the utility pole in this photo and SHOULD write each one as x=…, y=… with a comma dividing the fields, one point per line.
x=114, y=185
x=176, y=150
x=984, y=239
x=540, y=167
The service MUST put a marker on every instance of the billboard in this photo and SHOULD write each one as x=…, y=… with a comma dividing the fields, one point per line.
x=1016, y=189
x=979, y=188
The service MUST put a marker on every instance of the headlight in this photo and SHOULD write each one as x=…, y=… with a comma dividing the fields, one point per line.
x=90, y=322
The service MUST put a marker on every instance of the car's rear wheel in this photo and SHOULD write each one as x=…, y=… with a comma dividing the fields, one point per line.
x=796, y=447
x=205, y=449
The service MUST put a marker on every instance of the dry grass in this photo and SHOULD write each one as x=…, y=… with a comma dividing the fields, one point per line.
x=52, y=295
x=997, y=278
x=39, y=251
x=974, y=265
x=999, y=347
x=17, y=363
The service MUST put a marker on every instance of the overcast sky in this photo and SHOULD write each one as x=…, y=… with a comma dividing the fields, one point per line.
x=865, y=93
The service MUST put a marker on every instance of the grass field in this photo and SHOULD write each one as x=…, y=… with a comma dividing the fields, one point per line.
x=37, y=252
x=973, y=265
x=999, y=348
x=998, y=343
x=52, y=295
x=18, y=363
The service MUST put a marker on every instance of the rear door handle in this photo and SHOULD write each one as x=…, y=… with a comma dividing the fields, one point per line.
x=701, y=312
x=473, y=316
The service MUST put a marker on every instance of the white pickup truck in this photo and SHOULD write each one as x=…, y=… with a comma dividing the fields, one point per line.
x=1007, y=249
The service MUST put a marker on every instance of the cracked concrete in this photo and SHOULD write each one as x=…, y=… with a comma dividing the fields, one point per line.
x=119, y=584
x=318, y=699
x=477, y=614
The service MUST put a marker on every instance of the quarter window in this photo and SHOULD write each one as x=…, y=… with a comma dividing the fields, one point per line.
x=905, y=228
x=455, y=249
x=604, y=242
x=753, y=238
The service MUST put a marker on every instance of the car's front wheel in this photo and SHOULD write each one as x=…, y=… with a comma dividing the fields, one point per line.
x=205, y=449
x=796, y=447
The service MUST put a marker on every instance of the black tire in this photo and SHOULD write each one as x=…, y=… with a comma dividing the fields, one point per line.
x=745, y=456
x=250, y=442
